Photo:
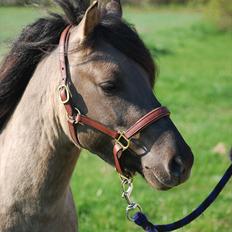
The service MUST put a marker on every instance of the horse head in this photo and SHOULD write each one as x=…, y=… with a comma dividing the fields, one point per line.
x=111, y=80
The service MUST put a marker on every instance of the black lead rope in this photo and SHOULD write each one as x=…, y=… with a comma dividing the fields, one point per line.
x=141, y=220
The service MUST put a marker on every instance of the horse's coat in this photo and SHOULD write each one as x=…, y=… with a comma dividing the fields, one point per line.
x=37, y=163
x=113, y=86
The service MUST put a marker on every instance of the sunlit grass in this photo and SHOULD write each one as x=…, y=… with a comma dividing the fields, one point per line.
x=195, y=82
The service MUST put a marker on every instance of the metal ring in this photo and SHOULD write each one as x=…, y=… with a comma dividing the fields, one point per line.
x=70, y=118
x=67, y=93
x=78, y=111
x=131, y=208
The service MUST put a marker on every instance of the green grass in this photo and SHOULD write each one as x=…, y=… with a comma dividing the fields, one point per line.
x=195, y=82
x=12, y=20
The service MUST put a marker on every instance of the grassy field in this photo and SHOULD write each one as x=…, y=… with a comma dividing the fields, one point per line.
x=195, y=82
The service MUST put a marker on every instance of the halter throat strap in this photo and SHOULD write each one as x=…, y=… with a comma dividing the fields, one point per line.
x=74, y=116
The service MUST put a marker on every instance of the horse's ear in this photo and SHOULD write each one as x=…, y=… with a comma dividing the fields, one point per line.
x=114, y=8
x=89, y=21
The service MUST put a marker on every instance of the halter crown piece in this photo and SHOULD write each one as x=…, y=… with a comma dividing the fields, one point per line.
x=122, y=143
x=74, y=116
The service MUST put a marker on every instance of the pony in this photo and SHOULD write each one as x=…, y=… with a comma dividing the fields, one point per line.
x=111, y=75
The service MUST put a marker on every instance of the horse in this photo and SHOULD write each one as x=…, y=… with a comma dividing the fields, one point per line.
x=109, y=79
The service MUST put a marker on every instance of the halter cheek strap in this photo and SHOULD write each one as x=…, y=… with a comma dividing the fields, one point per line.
x=121, y=138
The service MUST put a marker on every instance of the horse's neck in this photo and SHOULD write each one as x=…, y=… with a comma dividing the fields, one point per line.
x=37, y=158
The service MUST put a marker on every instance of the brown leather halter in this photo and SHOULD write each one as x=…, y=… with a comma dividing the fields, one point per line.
x=74, y=116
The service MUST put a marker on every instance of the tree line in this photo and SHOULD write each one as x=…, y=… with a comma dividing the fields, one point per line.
x=137, y=2
x=219, y=11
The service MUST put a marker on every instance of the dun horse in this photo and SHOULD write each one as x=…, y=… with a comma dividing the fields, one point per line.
x=111, y=76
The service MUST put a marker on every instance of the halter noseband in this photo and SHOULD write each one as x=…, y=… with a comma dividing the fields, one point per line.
x=74, y=116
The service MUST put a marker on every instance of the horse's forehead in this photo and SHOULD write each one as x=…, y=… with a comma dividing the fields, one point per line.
x=109, y=59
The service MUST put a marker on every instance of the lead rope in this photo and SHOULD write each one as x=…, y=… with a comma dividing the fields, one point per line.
x=141, y=220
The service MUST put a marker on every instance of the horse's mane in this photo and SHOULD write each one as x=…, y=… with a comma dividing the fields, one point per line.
x=42, y=37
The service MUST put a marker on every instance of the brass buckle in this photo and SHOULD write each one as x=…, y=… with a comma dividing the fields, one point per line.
x=71, y=118
x=123, y=141
x=67, y=92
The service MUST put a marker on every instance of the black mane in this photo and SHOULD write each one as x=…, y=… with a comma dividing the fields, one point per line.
x=42, y=37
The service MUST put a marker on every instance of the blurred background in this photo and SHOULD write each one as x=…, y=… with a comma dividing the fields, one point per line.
x=191, y=40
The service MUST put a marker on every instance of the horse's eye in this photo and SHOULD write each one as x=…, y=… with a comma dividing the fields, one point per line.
x=108, y=87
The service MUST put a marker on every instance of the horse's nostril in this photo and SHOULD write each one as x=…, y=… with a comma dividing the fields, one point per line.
x=176, y=167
